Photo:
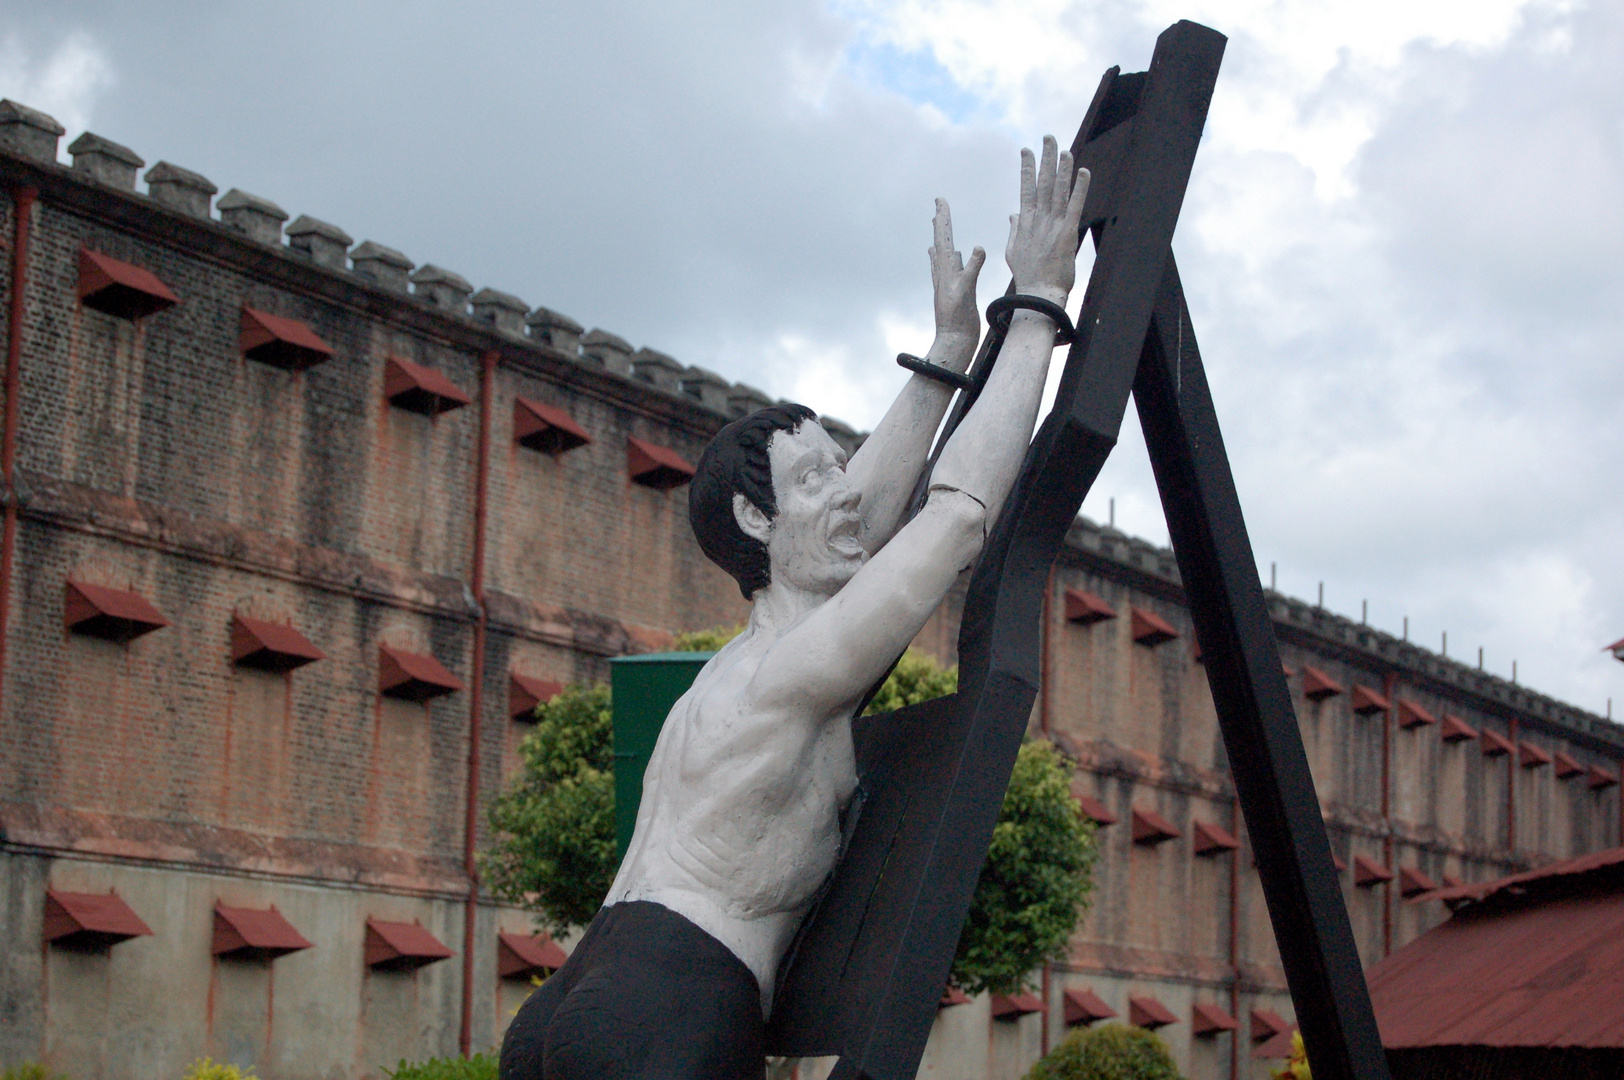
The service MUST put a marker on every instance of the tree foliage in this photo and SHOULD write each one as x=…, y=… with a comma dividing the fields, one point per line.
x=554, y=824
x=554, y=850
x=1107, y=1052
x=478, y=1067
x=1036, y=882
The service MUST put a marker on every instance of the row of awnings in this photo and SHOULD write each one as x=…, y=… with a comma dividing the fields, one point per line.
x=127, y=291
x=97, y=921
x=122, y=615
x=1084, y=608
x=1083, y=1006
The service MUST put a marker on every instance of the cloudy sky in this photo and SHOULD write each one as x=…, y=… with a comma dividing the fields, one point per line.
x=1403, y=243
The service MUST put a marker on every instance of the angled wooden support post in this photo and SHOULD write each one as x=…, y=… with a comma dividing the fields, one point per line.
x=867, y=969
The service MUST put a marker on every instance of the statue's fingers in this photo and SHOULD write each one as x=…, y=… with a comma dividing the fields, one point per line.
x=1046, y=176
x=942, y=226
x=1009, y=247
x=1029, y=182
x=978, y=256
x=1079, y=196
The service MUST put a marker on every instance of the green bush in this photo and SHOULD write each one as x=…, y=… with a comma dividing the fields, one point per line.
x=1036, y=882
x=209, y=1069
x=30, y=1070
x=478, y=1067
x=710, y=640
x=1108, y=1052
x=553, y=850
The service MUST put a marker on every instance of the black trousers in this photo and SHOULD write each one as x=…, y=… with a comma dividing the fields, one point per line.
x=646, y=995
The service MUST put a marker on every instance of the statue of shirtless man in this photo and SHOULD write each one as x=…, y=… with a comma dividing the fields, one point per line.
x=740, y=819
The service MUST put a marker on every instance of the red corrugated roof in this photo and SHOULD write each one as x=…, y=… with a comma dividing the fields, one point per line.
x=273, y=646
x=1146, y=1012
x=92, y=919
x=1318, y=685
x=1149, y=827
x=1412, y=715
x=401, y=946
x=254, y=933
x=1210, y=1020
x=1266, y=1024
x=952, y=996
x=1366, y=701
x=525, y=692
x=1014, y=1006
x=1085, y=1007
x=115, y=614
x=656, y=466
x=1095, y=811
x=420, y=389
x=120, y=288
x=1149, y=628
x=546, y=428
x=1537, y=961
x=1084, y=607
x=413, y=676
x=523, y=954
x=1211, y=839
x=285, y=343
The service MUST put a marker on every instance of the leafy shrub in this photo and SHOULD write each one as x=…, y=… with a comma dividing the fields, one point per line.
x=1036, y=882
x=209, y=1069
x=554, y=846
x=1296, y=1066
x=1107, y=1052
x=705, y=640
x=30, y=1070
x=478, y=1067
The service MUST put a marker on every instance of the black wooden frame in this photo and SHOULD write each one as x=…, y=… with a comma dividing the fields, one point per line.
x=863, y=978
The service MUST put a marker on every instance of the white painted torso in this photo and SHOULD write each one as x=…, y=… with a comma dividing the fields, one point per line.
x=740, y=819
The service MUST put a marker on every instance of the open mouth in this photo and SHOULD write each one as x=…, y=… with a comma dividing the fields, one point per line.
x=843, y=536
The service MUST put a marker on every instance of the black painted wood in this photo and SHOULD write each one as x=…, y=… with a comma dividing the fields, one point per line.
x=865, y=975
x=1242, y=660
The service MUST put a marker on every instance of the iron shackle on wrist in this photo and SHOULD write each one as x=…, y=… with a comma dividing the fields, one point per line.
x=1001, y=310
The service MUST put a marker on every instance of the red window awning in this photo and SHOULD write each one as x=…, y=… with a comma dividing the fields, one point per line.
x=1085, y=1007
x=1317, y=686
x=401, y=946
x=951, y=996
x=1095, y=810
x=656, y=466
x=1454, y=729
x=1601, y=778
x=413, y=676
x=1495, y=744
x=1276, y=1047
x=519, y=956
x=1566, y=765
x=1150, y=828
x=112, y=614
x=1150, y=629
x=252, y=934
x=419, y=389
x=1207, y=1021
x=280, y=342
x=525, y=692
x=1366, y=701
x=270, y=646
x=1266, y=1024
x=1146, y=1012
x=1015, y=1006
x=1212, y=839
x=546, y=428
x=1413, y=881
x=90, y=921
x=119, y=288
x=1367, y=873
x=1411, y=715
x=1086, y=609
x=1530, y=756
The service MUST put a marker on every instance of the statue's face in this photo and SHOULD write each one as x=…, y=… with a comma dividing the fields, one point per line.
x=813, y=544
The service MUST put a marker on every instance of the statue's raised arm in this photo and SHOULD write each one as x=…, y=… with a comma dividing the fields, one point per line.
x=740, y=819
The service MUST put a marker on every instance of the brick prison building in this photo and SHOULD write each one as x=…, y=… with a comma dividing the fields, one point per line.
x=295, y=534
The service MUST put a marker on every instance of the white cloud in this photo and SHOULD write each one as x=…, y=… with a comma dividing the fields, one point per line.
x=64, y=80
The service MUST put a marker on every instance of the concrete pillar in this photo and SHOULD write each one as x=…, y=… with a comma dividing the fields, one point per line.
x=106, y=160
x=707, y=388
x=501, y=310
x=551, y=328
x=611, y=352
x=28, y=132
x=384, y=266
x=657, y=369
x=442, y=288
x=321, y=243
x=254, y=217
x=180, y=189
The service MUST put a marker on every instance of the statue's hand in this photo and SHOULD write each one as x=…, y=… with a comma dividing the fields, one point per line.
x=958, y=320
x=1042, y=251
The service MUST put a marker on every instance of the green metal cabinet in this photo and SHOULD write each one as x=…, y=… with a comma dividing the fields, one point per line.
x=645, y=687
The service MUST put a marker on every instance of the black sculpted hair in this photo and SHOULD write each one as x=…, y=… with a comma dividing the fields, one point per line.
x=736, y=462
